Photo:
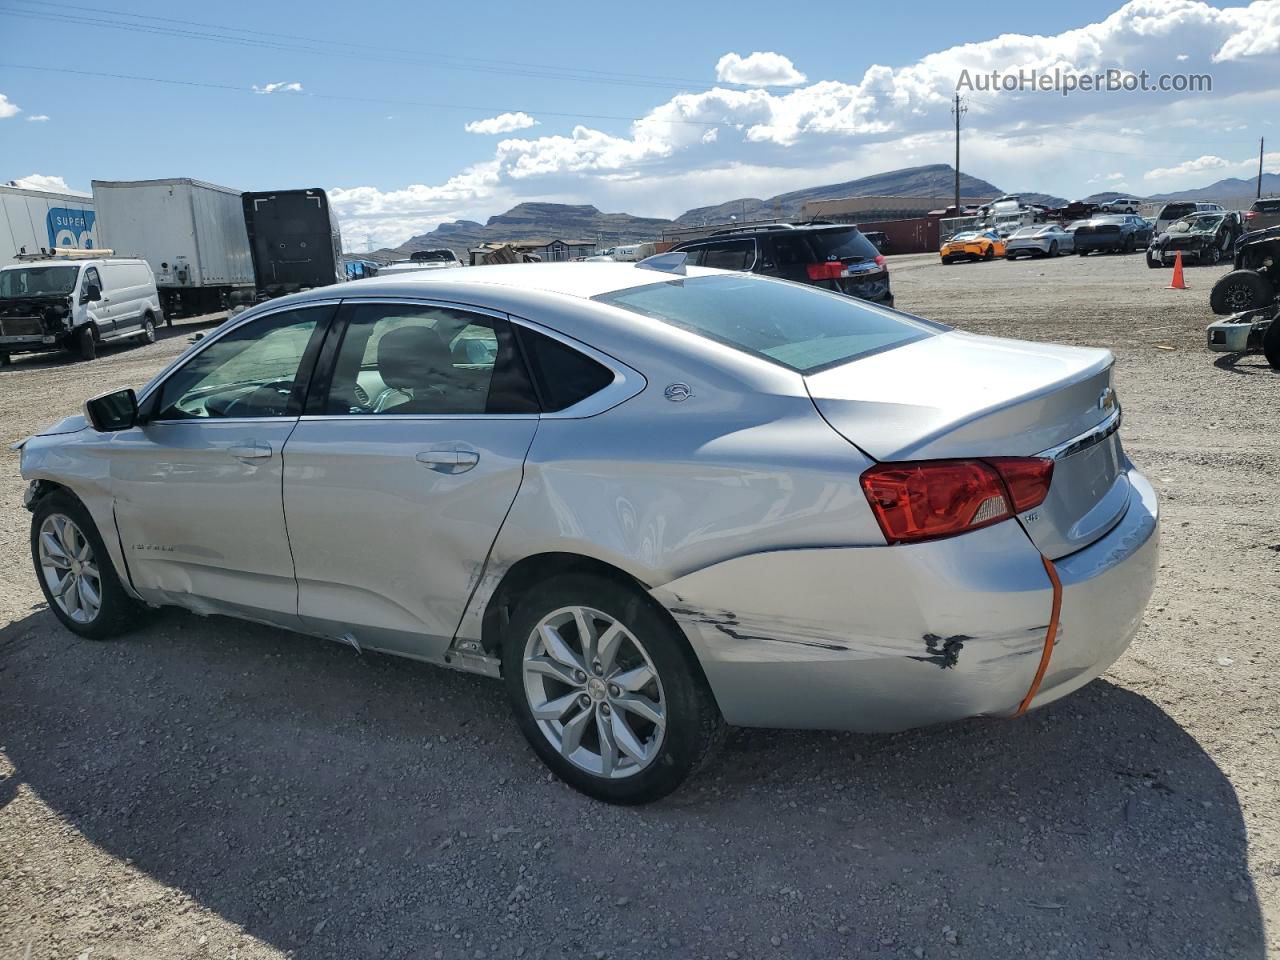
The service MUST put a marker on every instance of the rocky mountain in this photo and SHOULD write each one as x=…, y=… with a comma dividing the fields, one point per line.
x=528, y=222
x=1229, y=189
x=933, y=180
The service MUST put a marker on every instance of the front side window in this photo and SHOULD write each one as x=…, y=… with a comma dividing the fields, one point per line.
x=90, y=279
x=253, y=371
x=733, y=255
x=796, y=325
x=405, y=359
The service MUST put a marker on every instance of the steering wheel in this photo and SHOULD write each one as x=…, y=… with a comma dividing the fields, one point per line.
x=269, y=399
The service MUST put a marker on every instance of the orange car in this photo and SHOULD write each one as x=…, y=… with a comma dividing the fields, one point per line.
x=973, y=245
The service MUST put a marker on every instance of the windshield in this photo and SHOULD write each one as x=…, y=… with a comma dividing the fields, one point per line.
x=798, y=326
x=1195, y=224
x=38, y=281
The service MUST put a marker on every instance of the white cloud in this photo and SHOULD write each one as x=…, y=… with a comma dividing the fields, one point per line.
x=38, y=118
x=7, y=107
x=41, y=181
x=1198, y=165
x=281, y=87
x=699, y=148
x=759, y=69
x=502, y=123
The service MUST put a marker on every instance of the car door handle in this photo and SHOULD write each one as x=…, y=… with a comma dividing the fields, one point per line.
x=453, y=460
x=250, y=451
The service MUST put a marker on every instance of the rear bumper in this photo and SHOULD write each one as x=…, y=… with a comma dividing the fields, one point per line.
x=887, y=638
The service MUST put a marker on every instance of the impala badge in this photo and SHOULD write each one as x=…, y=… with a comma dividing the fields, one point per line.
x=1107, y=400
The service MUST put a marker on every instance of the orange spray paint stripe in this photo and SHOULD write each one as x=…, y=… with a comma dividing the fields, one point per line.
x=1050, y=636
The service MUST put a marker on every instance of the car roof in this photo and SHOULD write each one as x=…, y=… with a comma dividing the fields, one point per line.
x=767, y=229
x=579, y=279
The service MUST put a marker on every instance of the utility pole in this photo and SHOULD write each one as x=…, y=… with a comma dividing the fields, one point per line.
x=1261, y=142
x=959, y=109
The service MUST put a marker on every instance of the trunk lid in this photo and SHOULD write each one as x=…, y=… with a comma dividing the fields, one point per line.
x=959, y=395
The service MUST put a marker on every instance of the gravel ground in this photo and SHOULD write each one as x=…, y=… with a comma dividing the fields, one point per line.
x=206, y=788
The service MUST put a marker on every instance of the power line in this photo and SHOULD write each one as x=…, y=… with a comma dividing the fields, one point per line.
x=380, y=48
x=352, y=98
x=308, y=46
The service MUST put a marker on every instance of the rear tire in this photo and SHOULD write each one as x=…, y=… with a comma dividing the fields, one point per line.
x=148, y=329
x=1152, y=262
x=1082, y=253
x=4, y=360
x=82, y=545
x=1240, y=290
x=580, y=706
x=87, y=342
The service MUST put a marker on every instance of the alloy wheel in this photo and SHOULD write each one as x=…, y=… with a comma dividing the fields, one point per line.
x=594, y=692
x=70, y=569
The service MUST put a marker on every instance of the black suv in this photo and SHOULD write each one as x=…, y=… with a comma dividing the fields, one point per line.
x=832, y=256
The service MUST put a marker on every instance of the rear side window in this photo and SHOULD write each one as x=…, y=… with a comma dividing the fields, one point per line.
x=841, y=245
x=796, y=325
x=563, y=375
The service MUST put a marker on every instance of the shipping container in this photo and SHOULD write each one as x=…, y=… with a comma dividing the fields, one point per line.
x=295, y=240
x=192, y=233
x=36, y=220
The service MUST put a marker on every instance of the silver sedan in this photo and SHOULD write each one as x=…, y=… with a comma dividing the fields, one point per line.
x=651, y=500
x=1040, y=240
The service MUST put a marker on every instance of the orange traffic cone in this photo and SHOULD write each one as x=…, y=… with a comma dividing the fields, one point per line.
x=1177, y=283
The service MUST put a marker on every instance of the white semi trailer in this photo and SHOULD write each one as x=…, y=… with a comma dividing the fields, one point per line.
x=36, y=220
x=192, y=233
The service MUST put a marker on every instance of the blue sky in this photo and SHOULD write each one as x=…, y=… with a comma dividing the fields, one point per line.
x=386, y=93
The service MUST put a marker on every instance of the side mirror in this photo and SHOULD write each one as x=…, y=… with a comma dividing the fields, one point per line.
x=113, y=411
x=93, y=292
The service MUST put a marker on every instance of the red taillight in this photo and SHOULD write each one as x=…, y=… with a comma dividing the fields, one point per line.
x=1027, y=479
x=940, y=498
x=832, y=270
x=1251, y=215
x=880, y=261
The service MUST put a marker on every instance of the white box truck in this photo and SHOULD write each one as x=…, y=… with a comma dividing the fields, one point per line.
x=192, y=233
x=32, y=221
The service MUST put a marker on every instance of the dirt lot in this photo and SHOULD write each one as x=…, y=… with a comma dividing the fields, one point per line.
x=204, y=788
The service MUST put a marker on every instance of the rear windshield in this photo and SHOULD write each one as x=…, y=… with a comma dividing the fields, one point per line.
x=795, y=325
x=1027, y=232
x=841, y=245
x=1172, y=211
x=1266, y=206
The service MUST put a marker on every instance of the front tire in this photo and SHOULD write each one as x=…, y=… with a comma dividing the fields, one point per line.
x=87, y=343
x=75, y=571
x=1271, y=344
x=606, y=691
x=1053, y=248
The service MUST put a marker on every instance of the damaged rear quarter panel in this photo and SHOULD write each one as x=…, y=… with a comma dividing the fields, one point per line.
x=869, y=638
